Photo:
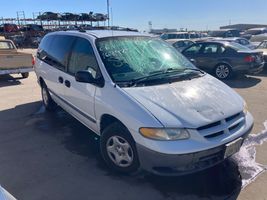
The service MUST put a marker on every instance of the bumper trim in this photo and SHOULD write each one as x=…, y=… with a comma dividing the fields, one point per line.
x=182, y=164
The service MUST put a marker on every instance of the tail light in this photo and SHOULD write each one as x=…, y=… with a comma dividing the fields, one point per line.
x=33, y=61
x=250, y=58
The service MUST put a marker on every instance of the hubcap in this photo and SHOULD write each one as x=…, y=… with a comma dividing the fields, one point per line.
x=222, y=71
x=45, y=96
x=119, y=151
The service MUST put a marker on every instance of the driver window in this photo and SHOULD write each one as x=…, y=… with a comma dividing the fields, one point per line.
x=83, y=58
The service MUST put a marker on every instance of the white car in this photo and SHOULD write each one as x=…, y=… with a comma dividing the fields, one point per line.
x=151, y=107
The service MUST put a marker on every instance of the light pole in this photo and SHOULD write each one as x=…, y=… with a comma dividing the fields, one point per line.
x=108, y=11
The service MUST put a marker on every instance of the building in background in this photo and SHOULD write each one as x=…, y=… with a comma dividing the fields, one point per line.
x=243, y=27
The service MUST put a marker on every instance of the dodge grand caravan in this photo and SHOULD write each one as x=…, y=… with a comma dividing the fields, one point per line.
x=152, y=108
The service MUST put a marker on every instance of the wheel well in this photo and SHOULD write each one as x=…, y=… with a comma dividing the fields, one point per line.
x=223, y=63
x=41, y=81
x=106, y=120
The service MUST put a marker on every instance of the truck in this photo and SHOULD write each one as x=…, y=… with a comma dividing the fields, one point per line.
x=13, y=61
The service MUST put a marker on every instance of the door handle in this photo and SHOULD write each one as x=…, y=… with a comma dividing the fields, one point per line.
x=67, y=83
x=60, y=79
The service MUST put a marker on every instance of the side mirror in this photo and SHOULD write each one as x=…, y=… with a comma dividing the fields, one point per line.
x=85, y=77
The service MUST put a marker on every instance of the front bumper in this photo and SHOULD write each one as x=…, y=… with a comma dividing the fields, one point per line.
x=181, y=164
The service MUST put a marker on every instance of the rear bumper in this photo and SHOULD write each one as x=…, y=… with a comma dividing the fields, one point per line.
x=253, y=68
x=181, y=164
x=256, y=69
x=16, y=71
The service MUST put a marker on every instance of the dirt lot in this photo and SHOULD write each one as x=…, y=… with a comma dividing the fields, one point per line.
x=47, y=156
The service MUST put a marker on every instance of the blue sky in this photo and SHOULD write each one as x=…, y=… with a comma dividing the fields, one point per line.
x=192, y=14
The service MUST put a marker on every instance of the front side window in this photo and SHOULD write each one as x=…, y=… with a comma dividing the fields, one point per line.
x=83, y=58
x=194, y=49
x=179, y=44
x=243, y=42
x=130, y=58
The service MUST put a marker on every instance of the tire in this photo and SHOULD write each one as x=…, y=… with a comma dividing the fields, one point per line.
x=48, y=102
x=223, y=71
x=118, y=149
x=25, y=75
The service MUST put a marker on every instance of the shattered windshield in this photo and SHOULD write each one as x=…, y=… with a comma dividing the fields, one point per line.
x=130, y=58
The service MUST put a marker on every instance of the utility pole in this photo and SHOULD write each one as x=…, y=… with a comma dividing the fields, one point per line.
x=108, y=11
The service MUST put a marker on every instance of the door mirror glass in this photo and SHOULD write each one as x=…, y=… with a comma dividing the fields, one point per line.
x=84, y=77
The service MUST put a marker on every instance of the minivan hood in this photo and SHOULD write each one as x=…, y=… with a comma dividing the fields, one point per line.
x=191, y=103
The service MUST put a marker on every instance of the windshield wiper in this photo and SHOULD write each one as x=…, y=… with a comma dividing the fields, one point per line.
x=168, y=70
x=151, y=75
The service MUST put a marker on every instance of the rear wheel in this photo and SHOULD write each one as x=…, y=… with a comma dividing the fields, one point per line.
x=118, y=149
x=223, y=71
x=48, y=102
x=25, y=75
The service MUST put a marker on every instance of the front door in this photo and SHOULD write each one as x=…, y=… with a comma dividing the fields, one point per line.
x=80, y=96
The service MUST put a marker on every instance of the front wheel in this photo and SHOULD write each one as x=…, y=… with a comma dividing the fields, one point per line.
x=118, y=149
x=223, y=71
x=25, y=75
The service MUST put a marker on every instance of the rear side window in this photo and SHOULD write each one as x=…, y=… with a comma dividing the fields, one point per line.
x=210, y=48
x=83, y=58
x=213, y=49
x=4, y=45
x=45, y=43
x=59, y=50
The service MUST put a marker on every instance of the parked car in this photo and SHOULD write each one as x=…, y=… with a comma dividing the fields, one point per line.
x=263, y=47
x=150, y=106
x=100, y=17
x=8, y=28
x=223, y=59
x=180, y=35
x=69, y=17
x=180, y=44
x=32, y=27
x=224, y=33
x=254, y=31
x=14, y=62
x=239, y=40
x=86, y=17
x=257, y=39
x=49, y=16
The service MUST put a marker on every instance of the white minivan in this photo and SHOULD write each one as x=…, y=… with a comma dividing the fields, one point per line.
x=152, y=108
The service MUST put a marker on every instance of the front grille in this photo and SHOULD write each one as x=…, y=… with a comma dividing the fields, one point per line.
x=228, y=125
x=232, y=117
x=209, y=126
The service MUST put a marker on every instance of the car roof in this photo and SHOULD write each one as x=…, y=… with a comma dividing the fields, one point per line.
x=176, y=40
x=105, y=33
x=231, y=38
x=179, y=32
x=214, y=41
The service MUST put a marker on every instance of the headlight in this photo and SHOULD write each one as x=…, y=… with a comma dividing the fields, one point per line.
x=245, y=108
x=165, y=134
